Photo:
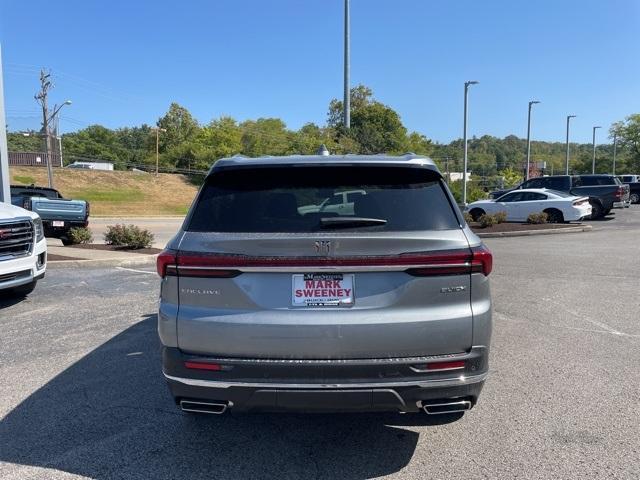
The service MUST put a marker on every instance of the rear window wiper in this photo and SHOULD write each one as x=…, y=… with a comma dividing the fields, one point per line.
x=347, y=222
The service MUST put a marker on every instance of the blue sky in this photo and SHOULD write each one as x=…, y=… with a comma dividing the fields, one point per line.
x=123, y=62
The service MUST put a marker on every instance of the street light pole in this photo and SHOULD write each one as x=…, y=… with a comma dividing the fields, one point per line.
x=464, y=140
x=593, y=161
x=615, y=147
x=531, y=103
x=347, y=55
x=566, y=158
x=158, y=130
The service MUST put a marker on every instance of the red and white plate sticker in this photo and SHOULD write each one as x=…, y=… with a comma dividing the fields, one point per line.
x=322, y=290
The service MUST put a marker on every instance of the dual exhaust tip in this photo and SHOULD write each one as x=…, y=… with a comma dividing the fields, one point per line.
x=218, y=408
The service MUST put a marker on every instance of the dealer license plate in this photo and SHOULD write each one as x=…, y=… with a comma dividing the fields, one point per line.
x=322, y=290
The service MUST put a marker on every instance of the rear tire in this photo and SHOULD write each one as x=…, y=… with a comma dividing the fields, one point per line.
x=476, y=213
x=597, y=211
x=634, y=198
x=554, y=215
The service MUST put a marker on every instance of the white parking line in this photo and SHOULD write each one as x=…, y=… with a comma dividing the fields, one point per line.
x=136, y=271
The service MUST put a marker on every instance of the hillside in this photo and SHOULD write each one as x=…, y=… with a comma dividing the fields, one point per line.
x=116, y=193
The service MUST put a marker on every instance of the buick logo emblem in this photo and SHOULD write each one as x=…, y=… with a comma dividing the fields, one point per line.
x=322, y=247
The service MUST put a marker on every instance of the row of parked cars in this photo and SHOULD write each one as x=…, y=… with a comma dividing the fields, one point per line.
x=564, y=198
x=34, y=214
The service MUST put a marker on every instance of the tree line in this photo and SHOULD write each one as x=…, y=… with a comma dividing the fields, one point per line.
x=184, y=143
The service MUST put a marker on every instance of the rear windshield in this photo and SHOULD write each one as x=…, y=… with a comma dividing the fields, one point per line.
x=309, y=199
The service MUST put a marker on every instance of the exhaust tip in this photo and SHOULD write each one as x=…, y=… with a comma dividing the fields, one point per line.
x=446, y=407
x=203, y=407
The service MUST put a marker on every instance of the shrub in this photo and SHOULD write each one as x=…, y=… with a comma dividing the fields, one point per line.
x=487, y=220
x=467, y=217
x=79, y=235
x=128, y=236
x=500, y=217
x=537, y=218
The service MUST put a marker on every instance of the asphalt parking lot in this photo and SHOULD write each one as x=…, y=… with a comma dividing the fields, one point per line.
x=82, y=393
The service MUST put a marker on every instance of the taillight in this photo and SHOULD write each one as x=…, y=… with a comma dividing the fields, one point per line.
x=454, y=262
x=166, y=261
x=446, y=262
x=172, y=264
x=482, y=260
x=619, y=193
x=88, y=209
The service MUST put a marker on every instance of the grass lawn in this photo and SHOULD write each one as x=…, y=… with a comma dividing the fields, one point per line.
x=116, y=193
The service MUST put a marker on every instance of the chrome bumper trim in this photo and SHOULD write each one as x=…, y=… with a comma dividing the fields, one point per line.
x=435, y=383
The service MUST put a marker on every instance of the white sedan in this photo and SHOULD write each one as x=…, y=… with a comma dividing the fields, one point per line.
x=519, y=204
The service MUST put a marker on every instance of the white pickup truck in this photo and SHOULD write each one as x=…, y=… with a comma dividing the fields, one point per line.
x=23, y=250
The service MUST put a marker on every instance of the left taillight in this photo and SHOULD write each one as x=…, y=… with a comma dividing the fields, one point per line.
x=170, y=263
x=166, y=263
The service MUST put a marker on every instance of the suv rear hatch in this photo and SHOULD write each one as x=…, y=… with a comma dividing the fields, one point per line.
x=259, y=279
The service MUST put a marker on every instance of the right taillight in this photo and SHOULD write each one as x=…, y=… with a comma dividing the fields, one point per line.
x=482, y=260
x=453, y=262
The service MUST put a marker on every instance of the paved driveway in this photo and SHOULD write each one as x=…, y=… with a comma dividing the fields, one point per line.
x=82, y=394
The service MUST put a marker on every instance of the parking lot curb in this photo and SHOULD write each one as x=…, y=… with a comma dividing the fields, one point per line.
x=107, y=262
x=528, y=233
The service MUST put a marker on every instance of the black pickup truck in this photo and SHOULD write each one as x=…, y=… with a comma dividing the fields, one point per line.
x=59, y=215
x=604, y=191
x=634, y=189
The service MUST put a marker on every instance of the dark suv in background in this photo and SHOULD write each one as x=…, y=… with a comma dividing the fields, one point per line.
x=272, y=301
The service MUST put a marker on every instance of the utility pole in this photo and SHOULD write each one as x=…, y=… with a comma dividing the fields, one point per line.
x=593, y=161
x=464, y=139
x=41, y=98
x=531, y=103
x=5, y=192
x=615, y=147
x=347, y=54
x=566, y=158
x=158, y=130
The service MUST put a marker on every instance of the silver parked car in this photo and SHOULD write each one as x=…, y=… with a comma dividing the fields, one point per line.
x=267, y=304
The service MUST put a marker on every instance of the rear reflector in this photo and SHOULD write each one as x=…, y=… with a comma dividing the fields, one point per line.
x=203, y=366
x=439, y=366
x=446, y=365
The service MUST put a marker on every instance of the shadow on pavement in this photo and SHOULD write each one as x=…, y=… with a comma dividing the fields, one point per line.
x=110, y=415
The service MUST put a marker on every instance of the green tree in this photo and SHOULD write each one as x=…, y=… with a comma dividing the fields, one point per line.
x=180, y=127
x=265, y=136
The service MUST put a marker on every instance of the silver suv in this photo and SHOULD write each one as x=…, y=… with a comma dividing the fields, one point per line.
x=268, y=304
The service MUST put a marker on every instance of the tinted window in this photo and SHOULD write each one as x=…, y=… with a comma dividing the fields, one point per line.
x=290, y=199
x=534, y=183
x=511, y=197
x=556, y=183
x=597, y=180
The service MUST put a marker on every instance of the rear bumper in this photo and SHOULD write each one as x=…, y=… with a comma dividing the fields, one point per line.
x=324, y=386
x=56, y=232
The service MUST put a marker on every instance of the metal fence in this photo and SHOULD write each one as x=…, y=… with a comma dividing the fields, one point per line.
x=34, y=159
